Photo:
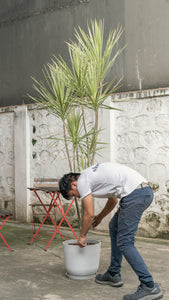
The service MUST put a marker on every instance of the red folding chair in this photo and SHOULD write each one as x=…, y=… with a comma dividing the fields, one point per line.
x=54, y=200
x=4, y=215
x=36, y=211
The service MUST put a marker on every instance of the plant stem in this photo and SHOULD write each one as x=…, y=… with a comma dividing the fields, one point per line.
x=87, y=140
x=77, y=158
x=66, y=145
x=95, y=135
x=74, y=165
x=78, y=212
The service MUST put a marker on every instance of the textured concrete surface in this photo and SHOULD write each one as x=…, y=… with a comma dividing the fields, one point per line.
x=30, y=273
x=136, y=136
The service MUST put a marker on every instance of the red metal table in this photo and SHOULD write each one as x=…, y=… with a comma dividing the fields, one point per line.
x=54, y=199
x=4, y=215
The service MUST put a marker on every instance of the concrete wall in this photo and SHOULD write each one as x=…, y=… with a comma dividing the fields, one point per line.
x=27, y=153
x=141, y=140
x=7, y=165
x=31, y=32
x=136, y=135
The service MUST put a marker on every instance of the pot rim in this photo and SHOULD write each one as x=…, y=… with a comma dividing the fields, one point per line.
x=69, y=242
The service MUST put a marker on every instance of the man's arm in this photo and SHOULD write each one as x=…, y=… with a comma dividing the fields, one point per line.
x=88, y=217
x=110, y=205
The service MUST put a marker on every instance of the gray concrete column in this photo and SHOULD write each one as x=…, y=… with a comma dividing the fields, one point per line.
x=22, y=163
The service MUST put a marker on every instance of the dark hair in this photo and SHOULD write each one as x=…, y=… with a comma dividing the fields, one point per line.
x=65, y=183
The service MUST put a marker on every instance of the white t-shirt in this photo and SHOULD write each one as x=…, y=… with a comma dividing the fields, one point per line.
x=108, y=180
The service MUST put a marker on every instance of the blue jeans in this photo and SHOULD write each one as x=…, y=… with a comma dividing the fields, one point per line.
x=123, y=227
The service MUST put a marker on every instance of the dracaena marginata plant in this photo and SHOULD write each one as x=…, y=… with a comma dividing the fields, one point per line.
x=70, y=92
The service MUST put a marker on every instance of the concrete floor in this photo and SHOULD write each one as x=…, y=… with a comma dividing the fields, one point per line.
x=30, y=273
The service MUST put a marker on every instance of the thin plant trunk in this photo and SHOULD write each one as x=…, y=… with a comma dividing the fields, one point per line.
x=77, y=158
x=87, y=140
x=76, y=201
x=78, y=213
x=70, y=166
x=66, y=146
x=95, y=135
x=74, y=162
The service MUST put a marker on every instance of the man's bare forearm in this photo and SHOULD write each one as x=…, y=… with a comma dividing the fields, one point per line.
x=87, y=223
x=88, y=215
x=110, y=205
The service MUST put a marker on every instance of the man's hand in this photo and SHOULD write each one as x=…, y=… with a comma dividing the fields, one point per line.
x=82, y=242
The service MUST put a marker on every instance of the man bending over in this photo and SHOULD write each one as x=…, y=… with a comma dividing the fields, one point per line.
x=121, y=184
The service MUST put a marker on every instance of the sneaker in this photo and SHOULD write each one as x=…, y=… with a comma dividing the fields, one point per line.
x=106, y=278
x=145, y=293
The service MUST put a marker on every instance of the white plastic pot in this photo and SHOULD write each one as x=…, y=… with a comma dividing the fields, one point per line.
x=81, y=263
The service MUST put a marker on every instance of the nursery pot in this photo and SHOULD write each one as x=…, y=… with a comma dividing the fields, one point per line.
x=81, y=263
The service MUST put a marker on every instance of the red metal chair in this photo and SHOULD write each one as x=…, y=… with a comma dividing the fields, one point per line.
x=40, y=182
x=49, y=186
x=4, y=215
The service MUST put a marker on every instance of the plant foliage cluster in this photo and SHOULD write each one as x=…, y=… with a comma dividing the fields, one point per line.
x=70, y=92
